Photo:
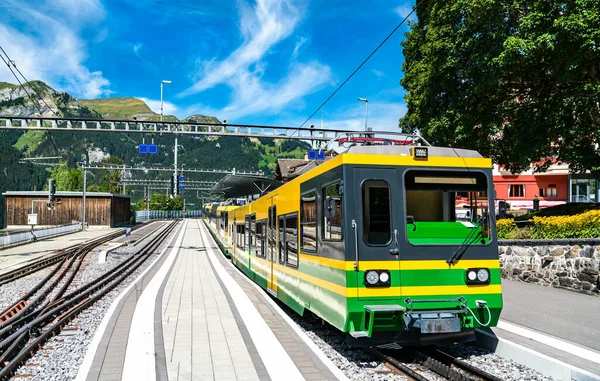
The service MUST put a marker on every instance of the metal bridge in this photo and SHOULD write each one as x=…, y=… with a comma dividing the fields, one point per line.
x=176, y=128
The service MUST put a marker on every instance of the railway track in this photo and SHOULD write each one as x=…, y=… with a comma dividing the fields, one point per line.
x=437, y=361
x=42, y=263
x=25, y=330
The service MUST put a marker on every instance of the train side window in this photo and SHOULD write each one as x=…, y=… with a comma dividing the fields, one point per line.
x=377, y=225
x=260, y=238
x=331, y=228
x=252, y=233
x=272, y=234
x=281, y=238
x=291, y=240
x=308, y=221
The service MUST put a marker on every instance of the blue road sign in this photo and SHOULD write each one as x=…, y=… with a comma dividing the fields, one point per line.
x=181, y=187
x=312, y=155
x=148, y=148
x=181, y=178
x=321, y=155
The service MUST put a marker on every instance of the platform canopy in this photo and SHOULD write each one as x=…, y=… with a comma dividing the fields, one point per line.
x=232, y=186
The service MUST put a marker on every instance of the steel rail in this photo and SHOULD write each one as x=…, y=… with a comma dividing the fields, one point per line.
x=70, y=305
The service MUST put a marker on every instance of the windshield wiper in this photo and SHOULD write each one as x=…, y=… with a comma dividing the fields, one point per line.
x=469, y=240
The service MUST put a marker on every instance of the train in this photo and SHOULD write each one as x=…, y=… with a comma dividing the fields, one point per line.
x=374, y=242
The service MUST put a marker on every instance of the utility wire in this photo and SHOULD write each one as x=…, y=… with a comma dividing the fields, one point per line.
x=362, y=64
x=23, y=87
x=26, y=81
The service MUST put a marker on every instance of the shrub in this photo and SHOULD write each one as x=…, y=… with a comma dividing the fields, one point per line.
x=583, y=225
x=505, y=227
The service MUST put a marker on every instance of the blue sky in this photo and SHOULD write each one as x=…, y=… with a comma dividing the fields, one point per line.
x=257, y=62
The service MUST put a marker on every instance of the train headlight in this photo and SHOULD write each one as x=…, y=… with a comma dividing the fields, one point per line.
x=478, y=276
x=377, y=278
x=472, y=275
x=372, y=277
x=483, y=275
x=384, y=277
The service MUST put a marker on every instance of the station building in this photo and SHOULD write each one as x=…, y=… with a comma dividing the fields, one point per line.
x=102, y=209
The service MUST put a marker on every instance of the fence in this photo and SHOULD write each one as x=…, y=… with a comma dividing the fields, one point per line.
x=145, y=215
x=9, y=239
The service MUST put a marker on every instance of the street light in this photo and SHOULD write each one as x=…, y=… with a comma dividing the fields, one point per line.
x=367, y=111
x=161, y=96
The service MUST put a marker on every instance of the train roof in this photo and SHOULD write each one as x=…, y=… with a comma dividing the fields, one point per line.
x=407, y=151
x=234, y=186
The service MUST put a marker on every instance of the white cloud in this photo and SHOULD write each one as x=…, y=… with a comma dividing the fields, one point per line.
x=168, y=107
x=378, y=73
x=404, y=10
x=47, y=45
x=301, y=41
x=262, y=26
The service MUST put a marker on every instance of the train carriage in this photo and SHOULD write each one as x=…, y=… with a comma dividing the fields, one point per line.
x=370, y=242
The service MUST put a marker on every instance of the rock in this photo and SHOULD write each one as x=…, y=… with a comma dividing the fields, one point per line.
x=533, y=279
x=587, y=286
x=557, y=251
x=525, y=274
x=587, y=252
x=561, y=273
x=508, y=251
x=548, y=258
x=574, y=252
x=501, y=250
x=584, y=277
x=565, y=282
x=517, y=271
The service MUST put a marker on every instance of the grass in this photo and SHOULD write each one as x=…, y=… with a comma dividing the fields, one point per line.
x=6, y=85
x=31, y=139
x=118, y=108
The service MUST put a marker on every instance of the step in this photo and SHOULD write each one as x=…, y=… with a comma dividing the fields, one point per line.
x=359, y=334
x=385, y=308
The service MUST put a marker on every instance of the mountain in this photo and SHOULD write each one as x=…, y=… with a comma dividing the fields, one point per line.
x=226, y=152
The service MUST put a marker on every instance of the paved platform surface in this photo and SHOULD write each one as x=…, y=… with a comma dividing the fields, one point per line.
x=561, y=313
x=19, y=255
x=192, y=316
x=564, y=325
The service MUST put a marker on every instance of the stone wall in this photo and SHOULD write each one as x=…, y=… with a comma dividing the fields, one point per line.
x=573, y=265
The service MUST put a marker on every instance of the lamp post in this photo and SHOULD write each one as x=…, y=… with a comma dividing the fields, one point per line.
x=366, y=112
x=164, y=81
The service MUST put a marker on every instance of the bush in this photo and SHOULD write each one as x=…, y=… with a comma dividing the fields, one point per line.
x=584, y=225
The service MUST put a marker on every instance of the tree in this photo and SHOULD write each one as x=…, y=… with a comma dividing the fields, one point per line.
x=110, y=179
x=67, y=180
x=517, y=80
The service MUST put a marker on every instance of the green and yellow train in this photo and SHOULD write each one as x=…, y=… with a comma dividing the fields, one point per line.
x=370, y=242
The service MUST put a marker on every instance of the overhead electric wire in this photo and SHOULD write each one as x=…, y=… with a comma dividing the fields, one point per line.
x=362, y=64
x=26, y=81
x=20, y=84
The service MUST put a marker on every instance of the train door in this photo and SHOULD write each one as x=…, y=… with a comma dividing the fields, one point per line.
x=272, y=247
x=375, y=228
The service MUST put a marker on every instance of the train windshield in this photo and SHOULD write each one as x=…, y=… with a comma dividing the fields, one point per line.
x=446, y=207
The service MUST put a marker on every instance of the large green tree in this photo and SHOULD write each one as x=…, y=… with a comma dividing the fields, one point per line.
x=517, y=80
x=67, y=179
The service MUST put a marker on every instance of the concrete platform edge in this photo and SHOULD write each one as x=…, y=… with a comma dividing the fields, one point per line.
x=308, y=341
x=544, y=364
x=88, y=360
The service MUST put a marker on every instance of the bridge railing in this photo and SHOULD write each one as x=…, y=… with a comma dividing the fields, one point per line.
x=145, y=215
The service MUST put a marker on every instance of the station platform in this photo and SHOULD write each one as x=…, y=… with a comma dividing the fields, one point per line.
x=561, y=324
x=16, y=256
x=193, y=316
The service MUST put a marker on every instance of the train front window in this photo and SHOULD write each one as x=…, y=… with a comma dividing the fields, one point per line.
x=447, y=207
x=377, y=225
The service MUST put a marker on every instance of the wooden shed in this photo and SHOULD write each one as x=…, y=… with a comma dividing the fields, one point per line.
x=102, y=209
